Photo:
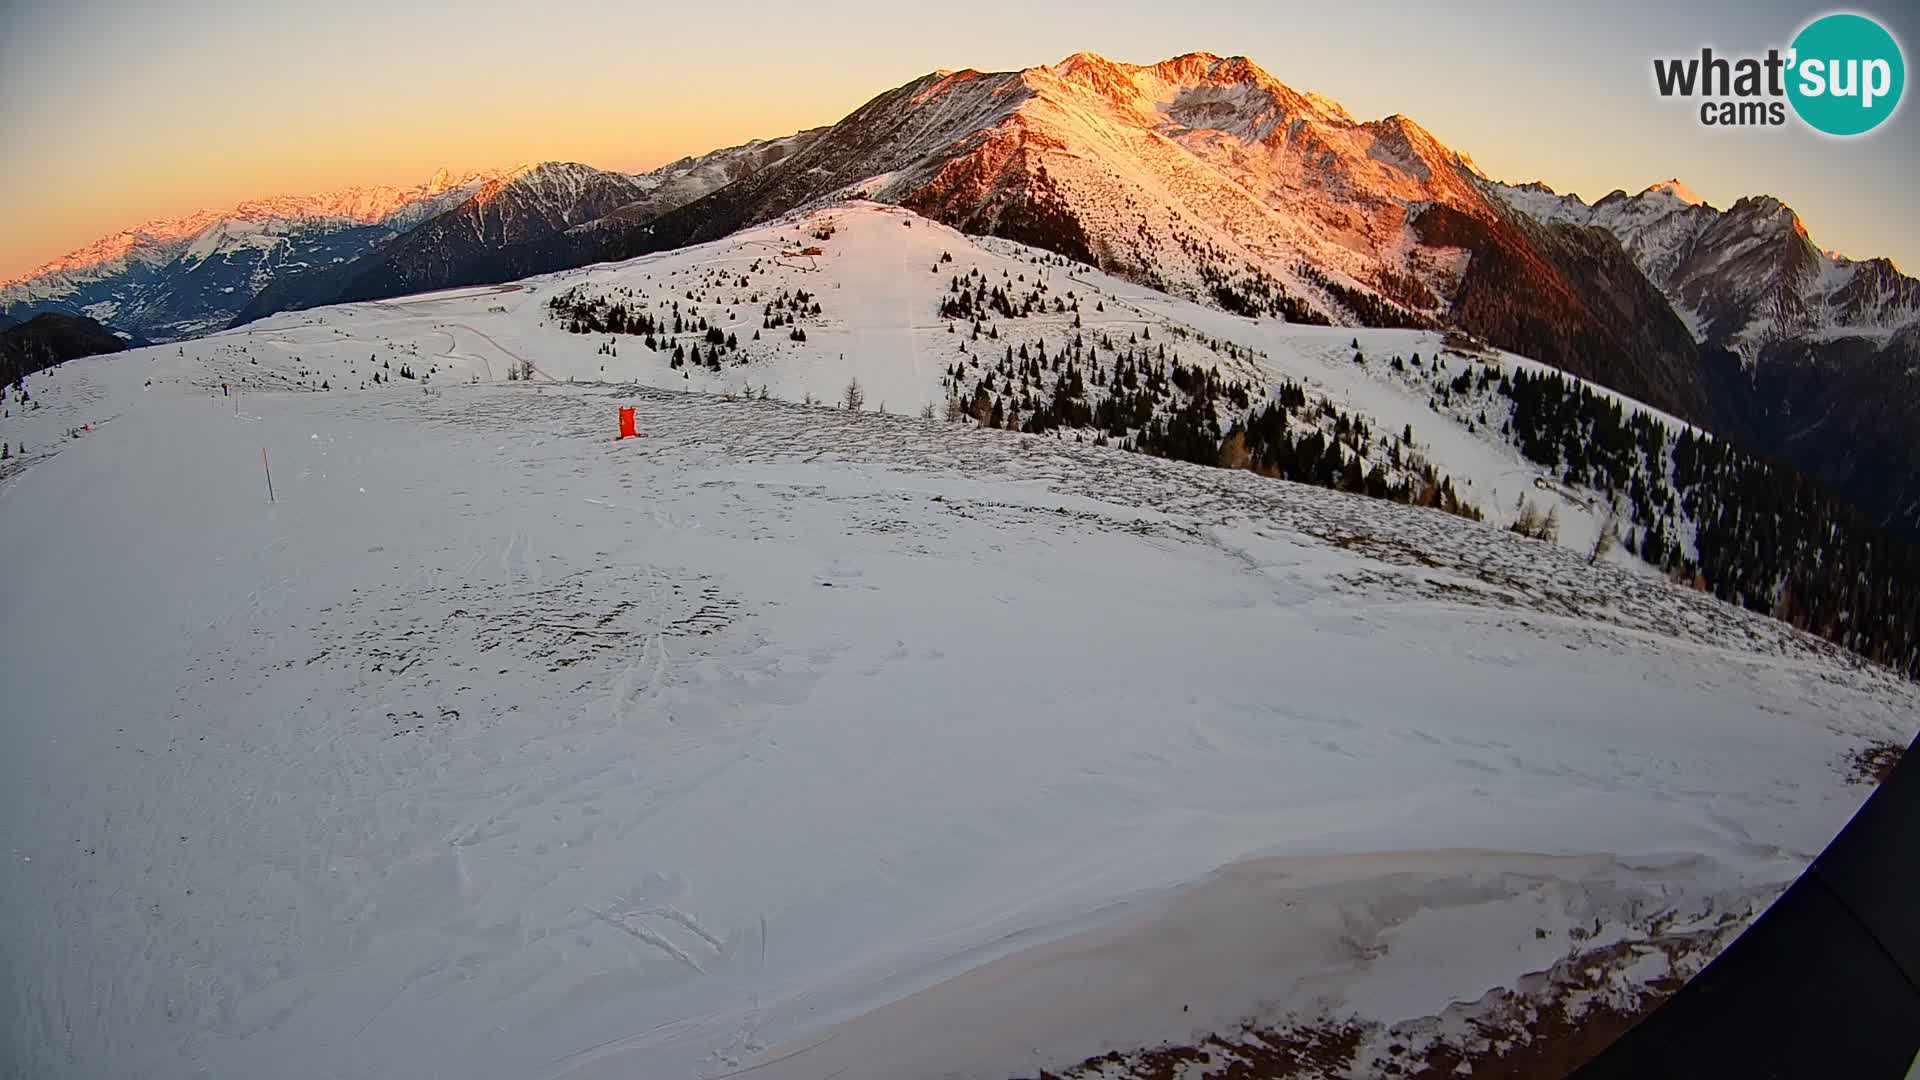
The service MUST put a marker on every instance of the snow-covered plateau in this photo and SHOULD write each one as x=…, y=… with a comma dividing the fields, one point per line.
x=819, y=743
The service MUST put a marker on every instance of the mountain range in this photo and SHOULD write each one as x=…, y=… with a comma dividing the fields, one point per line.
x=1202, y=176
x=181, y=277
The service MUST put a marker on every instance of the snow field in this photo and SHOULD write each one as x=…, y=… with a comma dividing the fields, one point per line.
x=666, y=757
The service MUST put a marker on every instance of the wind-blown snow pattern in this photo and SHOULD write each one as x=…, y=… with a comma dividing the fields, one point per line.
x=798, y=740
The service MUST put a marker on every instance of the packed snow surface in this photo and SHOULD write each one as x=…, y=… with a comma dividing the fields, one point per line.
x=836, y=744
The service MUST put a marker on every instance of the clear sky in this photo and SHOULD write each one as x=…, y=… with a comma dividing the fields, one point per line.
x=118, y=111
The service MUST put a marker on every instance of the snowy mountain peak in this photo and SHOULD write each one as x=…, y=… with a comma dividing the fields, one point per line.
x=1190, y=69
x=1674, y=189
x=1201, y=83
x=1089, y=67
x=1197, y=69
x=556, y=178
x=1187, y=69
x=1770, y=209
x=1746, y=276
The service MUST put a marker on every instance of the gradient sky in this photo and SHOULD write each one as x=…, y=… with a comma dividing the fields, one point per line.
x=119, y=112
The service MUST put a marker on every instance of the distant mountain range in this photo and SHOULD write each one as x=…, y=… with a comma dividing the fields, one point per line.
x=1201, y=175
x=179, y=277
x=182, y=277
x=507, y=209
x=527, y=205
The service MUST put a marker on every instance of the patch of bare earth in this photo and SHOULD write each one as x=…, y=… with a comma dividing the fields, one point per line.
x=1546, y=1025
x=1873, y=764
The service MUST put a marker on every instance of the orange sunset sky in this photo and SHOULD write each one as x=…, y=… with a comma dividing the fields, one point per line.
x=117, y=113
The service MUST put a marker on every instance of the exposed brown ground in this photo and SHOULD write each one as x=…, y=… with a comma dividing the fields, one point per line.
x=1873, y=764
x=1551, y=1024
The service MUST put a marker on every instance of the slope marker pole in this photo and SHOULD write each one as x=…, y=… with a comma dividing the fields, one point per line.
x=269, y=472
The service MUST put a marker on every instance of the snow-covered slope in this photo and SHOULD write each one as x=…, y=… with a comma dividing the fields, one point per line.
x=687, y=754
x=880, y=276
x=680, y=755
x=929, y=320
x=1206, y=177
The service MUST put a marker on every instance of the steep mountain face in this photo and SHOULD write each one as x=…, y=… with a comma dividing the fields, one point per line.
x=178, y=277
x=1816, y=356
x=48, y=339
x=1569, y=296
x=1206, y=177
x=1193, y=174
x=1199, y=169
x=1844, y=409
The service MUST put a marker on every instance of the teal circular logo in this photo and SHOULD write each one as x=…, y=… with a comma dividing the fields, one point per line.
x=1847, y=74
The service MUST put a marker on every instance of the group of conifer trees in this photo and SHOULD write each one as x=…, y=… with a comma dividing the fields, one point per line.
x=1764, y=535
x=1137, y=395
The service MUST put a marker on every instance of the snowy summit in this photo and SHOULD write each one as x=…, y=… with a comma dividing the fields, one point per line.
x=1676, y=190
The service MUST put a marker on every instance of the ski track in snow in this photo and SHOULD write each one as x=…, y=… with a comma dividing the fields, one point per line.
x=764, y=740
